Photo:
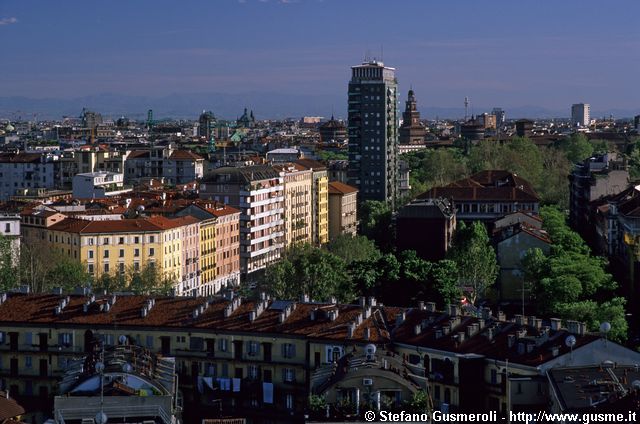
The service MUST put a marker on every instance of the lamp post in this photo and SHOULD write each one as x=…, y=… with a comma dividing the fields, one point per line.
x=101, y=417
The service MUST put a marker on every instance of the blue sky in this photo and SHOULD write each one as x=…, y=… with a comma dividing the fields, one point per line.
x=499, y=52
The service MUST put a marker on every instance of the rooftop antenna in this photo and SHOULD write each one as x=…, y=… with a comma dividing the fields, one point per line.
x=382, y=53
x=466, y=107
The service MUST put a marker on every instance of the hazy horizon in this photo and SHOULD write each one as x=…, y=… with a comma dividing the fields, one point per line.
x=514, y=55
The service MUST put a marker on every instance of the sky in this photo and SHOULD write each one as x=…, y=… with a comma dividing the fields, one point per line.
x=504, y=53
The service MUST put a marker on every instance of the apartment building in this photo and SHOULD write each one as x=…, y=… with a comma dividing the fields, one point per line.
x=167, y=163
x=258, y=192
x=115, y=246
x=298, y=187
x=98, y=185
x=488, y=195
x=20, y=171
x=319, y=200
x=263, y=358
x=343, y=209
x=10, y=230
x=219, y=245
x=85, y=160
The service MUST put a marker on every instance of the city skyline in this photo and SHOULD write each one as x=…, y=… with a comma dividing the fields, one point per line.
x=508, y=55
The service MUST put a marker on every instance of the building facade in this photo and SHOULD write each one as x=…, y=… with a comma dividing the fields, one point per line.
x=581, y=114
x=591, y=180
x=263, y=358
x=258, y=192
x=373, y=131
x=427, y=227
x=488, y=195
x=319, y=200
x=343, y=210
x=98, y=185
x=298, y=210
x=23, y=171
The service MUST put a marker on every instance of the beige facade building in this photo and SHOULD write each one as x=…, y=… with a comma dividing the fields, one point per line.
x=343, y=209
x=298, y=222
x=319, y=201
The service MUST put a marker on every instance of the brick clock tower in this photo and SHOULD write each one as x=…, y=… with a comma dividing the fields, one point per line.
x=411, y=131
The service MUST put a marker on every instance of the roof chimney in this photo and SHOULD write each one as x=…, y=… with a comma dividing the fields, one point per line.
x=556, y=324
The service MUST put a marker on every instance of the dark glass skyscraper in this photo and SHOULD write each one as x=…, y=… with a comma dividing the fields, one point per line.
x=373, y=131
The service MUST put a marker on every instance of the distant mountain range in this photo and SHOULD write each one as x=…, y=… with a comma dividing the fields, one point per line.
x=231, y=106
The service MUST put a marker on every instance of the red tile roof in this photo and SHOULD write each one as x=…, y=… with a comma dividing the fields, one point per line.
x=184, y=155
x=486, y=185
x=336, y=187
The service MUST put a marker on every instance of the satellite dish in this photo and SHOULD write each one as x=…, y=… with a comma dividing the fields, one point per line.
x=570, y=341
x=605, y=327
x=99, y=367
x=370, y=349
x=101, y=418
x=122, y=339
x=636, y=384
x=127, y=367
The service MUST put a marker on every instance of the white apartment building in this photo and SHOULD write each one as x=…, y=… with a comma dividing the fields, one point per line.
x=98, y=185
x=581, y=114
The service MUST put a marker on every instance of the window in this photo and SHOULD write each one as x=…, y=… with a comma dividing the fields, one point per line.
x=149, y=342
x=136, y=266
x=152, y=239
x=7, y=228
x=222, y=345
x=121, y=268
x=106, y=254
x=105, y=240
x=196, y=343
x=106, y=268
x=152, y=251
x=91, y=269
x=136, y=253
x=288, y=401
x=28, y=361
x=288, y=350
x=28, y=338
x=90, y=241
x=136, y=240
x=288, y=375
x=494, y=377
x=253, y=372
x=2, y=337
x=181, y=339
x=65, y=339
x=121, y=240
x=253, y=348
x=121, y=255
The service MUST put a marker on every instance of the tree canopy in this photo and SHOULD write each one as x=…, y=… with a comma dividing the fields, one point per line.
x=475, y=259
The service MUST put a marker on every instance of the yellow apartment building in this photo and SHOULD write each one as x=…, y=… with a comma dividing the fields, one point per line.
x=320, y=200
x=298, y=207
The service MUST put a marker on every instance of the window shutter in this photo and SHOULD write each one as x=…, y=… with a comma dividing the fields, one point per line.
x=292, y=350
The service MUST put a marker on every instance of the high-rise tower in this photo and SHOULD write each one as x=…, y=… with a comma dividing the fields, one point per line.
x=373, y=131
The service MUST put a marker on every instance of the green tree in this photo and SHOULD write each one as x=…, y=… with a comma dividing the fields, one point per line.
x=419, y=402
x=376, y=223
x=8, y=267
x=67, y=273
x=475, y=259
x=577, y=147
x=351, y=249
x=312, y=271
x=444, y=276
